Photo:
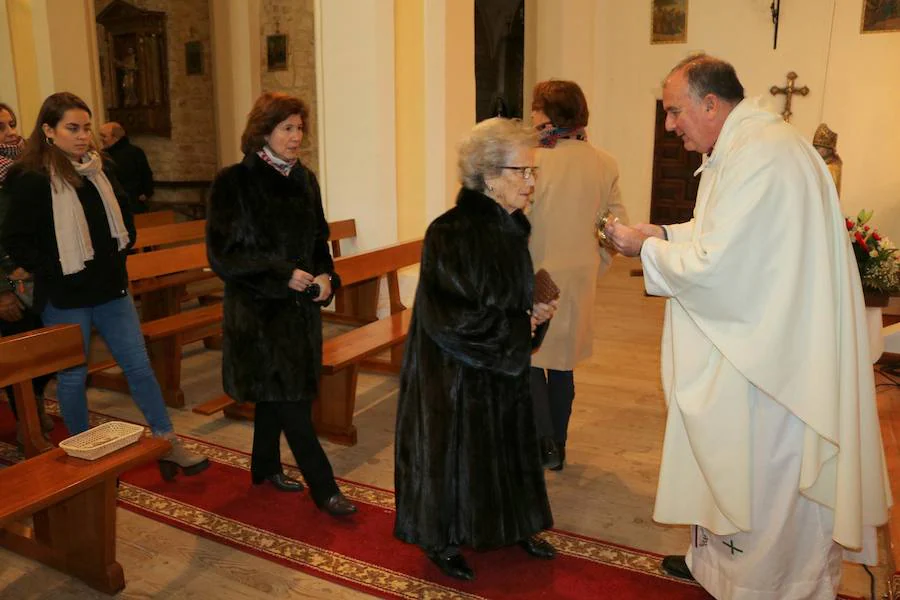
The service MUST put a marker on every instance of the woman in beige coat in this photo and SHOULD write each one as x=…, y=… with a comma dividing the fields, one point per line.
x=576, y=182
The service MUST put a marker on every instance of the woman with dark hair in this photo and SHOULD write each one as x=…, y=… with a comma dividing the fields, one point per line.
x=267, y=238
x=68, y=225
x=467, y=468
x=16, y=284
x=577, y=182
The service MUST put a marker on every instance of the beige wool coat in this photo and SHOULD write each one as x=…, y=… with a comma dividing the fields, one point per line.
x=575, y=182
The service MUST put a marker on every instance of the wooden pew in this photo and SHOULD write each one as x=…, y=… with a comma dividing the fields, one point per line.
x=28, y=355
x=154, y=218
x=72, y=501
x=344, y=355
x=172, y=233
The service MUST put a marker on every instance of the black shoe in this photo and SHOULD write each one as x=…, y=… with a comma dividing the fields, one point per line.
x=281, y=482
x=538, y=547
x=676, y=566
x=550, y=458
x=454, y=566
x=561, y=449
x=338, y=506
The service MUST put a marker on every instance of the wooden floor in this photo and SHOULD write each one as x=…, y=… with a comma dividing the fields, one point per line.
x=606, y=490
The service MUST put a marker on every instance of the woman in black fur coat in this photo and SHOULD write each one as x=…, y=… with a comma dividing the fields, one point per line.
x=468, y=469
x=267, y=238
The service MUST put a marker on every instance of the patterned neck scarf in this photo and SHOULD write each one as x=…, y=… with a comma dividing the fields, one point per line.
x=8, y=154
x=282, y=166
x=549, y=137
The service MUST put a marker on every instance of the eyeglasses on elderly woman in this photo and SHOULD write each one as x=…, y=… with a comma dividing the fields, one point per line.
x=524, y=172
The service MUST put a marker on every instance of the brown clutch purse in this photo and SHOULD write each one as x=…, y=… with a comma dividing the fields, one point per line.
x=545, y=289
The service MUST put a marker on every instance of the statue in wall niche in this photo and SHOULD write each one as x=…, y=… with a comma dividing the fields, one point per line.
x=128, y=68
x=825, y=142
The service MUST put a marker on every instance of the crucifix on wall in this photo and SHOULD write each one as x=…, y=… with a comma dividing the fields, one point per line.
x=789, y=90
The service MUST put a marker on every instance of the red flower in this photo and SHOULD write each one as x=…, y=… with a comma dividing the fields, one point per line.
x=866, y=228
x=876, y=236
x=849, y=224
x=861, y=241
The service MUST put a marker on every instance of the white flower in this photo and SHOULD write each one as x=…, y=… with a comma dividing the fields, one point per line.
x=874, y=253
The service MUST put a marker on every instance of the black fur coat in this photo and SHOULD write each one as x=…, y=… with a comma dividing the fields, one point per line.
x=468, y=470
x=262, y=225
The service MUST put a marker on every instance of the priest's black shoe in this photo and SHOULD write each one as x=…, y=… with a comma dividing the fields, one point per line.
x=280, y=481
x=561, y=449
x=538, y=548
x=452, y=566
x=676, y=566
x=339, y=506
x=550, y=458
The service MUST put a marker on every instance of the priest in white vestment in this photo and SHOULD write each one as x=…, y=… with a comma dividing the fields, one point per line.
x=772, y=448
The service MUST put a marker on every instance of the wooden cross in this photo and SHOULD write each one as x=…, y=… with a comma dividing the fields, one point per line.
x=789, y=90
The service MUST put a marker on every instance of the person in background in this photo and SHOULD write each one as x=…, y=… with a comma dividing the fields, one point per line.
x=267, y=238
x=772, y=451
x=130, y=164
x=69, y=225
x=467, y=468
x=577, y=182
x=16, y=315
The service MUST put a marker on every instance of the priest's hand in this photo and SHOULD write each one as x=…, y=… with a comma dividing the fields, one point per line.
x=324, y=281
x=651, y=230
x=625, y=240
x=300, y=280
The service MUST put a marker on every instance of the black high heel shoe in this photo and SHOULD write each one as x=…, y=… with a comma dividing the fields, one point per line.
x=454, y=566
x=281, y=482
x=538, y=548
x=550, y=457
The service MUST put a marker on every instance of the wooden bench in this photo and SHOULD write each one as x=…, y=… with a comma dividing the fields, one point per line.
x=72, y=501
x=154, y=218
x=344, y=355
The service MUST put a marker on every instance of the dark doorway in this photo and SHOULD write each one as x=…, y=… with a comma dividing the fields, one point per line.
x=499, y=58
x=674, y=189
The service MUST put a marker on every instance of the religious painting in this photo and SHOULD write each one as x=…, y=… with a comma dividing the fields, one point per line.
x=276, y=52
x=880, y=16
x=193, y=58
x=668, y=21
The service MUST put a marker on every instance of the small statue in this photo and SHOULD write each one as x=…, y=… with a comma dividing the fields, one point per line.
x=128, y=67
x=825, y=142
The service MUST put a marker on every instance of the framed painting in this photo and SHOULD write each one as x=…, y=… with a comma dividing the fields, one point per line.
x=193, y=58
x=276, y=52
x=880, y=16
x=668, y=21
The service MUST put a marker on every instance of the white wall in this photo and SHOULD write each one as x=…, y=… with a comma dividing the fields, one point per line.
x=9, y=93
x=862, y=104
x=236, y=77
x=356, y=116
x=621, y=73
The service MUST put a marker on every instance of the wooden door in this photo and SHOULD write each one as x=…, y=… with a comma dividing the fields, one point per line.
x=674, y=188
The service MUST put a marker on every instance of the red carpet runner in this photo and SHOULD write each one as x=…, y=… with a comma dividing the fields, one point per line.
x=361, y=552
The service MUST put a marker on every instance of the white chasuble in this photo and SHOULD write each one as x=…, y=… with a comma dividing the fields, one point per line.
x=764, y=300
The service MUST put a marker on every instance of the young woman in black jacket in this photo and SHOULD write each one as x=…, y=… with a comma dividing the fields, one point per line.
x=68, y=225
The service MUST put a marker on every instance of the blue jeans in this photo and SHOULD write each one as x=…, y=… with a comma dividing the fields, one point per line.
x=118, y=324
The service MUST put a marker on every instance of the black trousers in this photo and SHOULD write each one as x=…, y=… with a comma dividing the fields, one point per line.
x=552, y=393
x=295, y=420
x=29, y=322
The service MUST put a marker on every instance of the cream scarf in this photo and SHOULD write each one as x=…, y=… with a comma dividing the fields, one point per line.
x=73, y=238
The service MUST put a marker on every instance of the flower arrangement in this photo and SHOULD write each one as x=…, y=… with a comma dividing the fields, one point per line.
x=877, y=258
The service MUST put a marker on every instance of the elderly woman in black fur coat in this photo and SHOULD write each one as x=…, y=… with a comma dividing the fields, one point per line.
x=268, y=240
x=468, y=469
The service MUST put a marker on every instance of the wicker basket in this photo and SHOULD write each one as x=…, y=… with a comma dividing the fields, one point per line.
x=101, y=440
